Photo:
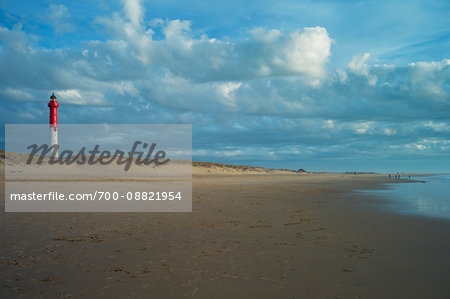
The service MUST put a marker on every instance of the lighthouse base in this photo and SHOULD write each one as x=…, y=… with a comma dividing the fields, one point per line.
x=54, y=138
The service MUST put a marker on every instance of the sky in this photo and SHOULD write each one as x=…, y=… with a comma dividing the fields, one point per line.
x=318, y=85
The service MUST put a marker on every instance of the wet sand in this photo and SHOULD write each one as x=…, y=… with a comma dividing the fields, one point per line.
x=248, y=236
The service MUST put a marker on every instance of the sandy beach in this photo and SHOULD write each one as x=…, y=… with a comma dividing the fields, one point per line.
x=249, y=235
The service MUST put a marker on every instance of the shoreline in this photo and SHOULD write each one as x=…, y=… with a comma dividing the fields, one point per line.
x=263, y=235
x=387, y=200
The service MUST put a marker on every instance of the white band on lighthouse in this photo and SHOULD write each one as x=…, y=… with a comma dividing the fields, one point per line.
x=54, y=138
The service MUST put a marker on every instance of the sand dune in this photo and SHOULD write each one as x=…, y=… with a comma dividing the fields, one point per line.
x=174, y=168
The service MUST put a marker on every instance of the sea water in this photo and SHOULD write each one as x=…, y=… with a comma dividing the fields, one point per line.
x=430, y=198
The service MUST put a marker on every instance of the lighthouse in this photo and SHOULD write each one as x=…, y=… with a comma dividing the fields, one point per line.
x=53, y=123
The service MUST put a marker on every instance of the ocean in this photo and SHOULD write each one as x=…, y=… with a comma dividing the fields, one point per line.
x=429, y=199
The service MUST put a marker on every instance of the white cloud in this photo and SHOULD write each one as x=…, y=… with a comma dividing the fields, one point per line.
x=430, y=77
x=19, y=95
x=329, y=124
x=230, y=153
x=227, y=93
x=16, y=39
x=59, y=18
x=177, y=29
x=74, y=96
x=307, y=51
x=264, y=35
x=134, y=12
x=389, y=131
x=363, y=127
x=301, y=52
x=358, y=66
x=125, y=88
x=342, y=76
x=265, y=53
x=438, y=126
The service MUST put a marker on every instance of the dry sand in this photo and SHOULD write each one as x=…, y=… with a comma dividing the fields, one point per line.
x=270, y=235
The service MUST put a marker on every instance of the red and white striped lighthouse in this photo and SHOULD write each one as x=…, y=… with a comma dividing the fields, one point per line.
x=53, y=123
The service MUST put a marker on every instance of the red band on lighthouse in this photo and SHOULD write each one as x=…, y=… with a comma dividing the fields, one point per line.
x=53, y=105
